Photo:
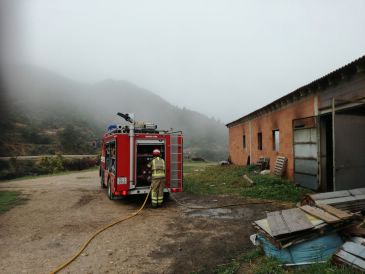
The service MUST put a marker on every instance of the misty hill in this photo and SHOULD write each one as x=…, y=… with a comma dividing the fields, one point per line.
x=42, y=105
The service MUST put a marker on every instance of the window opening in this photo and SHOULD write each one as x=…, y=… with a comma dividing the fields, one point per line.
x=276, y=140
x=259, y=140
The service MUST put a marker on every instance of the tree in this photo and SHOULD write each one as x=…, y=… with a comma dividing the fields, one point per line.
x=70, y=140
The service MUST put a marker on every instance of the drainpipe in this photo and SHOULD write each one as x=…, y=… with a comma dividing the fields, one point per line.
x=316, y=105
x=333, y=144
x=250, y=140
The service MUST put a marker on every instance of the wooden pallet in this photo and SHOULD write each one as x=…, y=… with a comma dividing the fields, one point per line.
x=280, y=165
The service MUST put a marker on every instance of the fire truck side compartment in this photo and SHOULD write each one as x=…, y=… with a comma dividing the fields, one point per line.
x=144, y=156
x=123, y=161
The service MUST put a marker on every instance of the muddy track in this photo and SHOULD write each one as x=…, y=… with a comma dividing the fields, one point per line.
x=62, y=211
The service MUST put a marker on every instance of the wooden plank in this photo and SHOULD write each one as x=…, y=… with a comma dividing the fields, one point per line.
x=354, y=249
x=360, y=197
x=296, y=220
x=249, y=180
x=357, y=191
x=356, y=239
x=277, y=224
x=351, y=259
x=339, y=200
x=321, y=214
x=330, y=195
x=335, y=211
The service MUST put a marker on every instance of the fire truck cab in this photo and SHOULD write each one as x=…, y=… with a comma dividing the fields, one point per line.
x=126, y=151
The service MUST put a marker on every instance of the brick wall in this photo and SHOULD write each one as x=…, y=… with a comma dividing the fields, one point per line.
x=280, y=119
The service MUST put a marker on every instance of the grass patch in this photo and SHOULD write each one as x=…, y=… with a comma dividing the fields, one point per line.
x=274, y=188
x=266, y=265
x=214, y=179
x=235, y=264
x=259, y=264
x=9, y=199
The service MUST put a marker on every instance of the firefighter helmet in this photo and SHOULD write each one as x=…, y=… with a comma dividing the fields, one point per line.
x=156, y=152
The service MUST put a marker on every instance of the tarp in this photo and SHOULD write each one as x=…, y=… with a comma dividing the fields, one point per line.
x=311, y=251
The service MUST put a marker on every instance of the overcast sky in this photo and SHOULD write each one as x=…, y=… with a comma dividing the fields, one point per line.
x=222, y=58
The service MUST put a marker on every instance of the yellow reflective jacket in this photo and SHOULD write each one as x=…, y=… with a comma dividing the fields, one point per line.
x=157, y=166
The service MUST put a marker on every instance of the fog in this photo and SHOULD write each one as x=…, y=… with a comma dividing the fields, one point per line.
x=221, y=58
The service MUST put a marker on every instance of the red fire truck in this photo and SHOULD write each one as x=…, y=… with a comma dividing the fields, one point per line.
x=127, y=149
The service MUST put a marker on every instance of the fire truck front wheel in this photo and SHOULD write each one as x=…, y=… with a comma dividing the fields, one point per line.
x=110, y=193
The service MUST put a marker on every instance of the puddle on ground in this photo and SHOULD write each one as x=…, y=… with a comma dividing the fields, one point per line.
x=221, y=213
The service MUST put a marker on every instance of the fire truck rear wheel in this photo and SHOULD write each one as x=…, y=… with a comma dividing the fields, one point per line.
x=110, y=193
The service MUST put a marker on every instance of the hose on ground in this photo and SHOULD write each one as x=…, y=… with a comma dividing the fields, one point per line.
x=96, y=233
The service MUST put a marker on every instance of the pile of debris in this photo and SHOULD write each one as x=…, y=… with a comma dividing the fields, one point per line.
x=352, y=254
x=352, y=200
x=315, y=231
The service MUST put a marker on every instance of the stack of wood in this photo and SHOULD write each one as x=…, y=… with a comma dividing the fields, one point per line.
x=352, y=200
x=352, y=254
x=292, y=226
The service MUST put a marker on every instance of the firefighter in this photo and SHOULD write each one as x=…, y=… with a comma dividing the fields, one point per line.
x=157, y=165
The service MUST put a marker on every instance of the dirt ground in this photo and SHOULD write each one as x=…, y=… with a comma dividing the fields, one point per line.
x=62, y=211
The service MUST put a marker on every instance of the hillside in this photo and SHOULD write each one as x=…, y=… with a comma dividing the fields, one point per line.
x=45, y=107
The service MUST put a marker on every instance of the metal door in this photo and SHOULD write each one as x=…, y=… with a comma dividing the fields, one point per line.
x=349, y=151
x=305, y=142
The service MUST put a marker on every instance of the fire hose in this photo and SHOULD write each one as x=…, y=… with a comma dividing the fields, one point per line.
x=96, y=233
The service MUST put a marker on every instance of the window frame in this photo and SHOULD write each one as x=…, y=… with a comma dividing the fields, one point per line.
x=275, y=146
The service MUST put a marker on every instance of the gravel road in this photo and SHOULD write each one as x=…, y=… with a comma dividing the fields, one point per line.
x=60, y=212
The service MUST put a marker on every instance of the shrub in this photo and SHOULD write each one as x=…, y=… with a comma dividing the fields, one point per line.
x=51, y=164
x=79, y=164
